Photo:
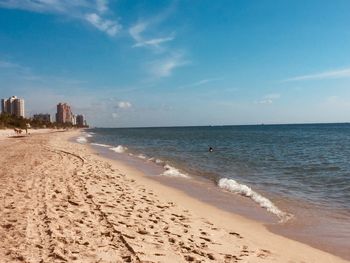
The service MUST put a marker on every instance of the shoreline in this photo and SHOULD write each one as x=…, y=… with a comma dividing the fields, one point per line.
x=250, y=211
x=206, y=191
x=97, y=209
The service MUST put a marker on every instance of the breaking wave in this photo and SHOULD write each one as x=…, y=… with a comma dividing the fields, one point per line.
x=119, y=149
x=235, y=187
x=173, y=172
x=81, y=140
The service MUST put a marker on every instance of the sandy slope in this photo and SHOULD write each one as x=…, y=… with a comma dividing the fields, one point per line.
x=61, y=203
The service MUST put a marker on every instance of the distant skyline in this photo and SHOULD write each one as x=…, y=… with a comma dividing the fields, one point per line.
x=126, y=63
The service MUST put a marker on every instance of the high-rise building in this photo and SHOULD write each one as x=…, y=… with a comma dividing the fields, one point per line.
x=64, y=113
x=13, y=106
x=42, y=117
x=18, y=107
x=3, y=106
x=74, y=119
x=80, y=120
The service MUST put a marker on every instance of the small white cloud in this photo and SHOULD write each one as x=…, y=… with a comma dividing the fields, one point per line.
x=123, y=105
x=269, y=99
x=108, y=26
x=331, y=74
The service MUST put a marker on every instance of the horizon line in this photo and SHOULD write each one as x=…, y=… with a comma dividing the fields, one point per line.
x=222, y=125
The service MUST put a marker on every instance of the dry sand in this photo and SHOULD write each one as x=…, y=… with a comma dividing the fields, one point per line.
x=59, y=202
x=6, y=133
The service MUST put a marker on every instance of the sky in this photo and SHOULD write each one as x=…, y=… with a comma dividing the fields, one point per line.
x=128, y=63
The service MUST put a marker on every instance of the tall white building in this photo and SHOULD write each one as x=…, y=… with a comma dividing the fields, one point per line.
x=13, y=106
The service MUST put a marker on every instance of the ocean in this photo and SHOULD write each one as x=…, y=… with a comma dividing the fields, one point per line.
x=300, y=174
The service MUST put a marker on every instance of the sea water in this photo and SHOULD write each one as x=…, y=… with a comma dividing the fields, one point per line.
x=292, y=171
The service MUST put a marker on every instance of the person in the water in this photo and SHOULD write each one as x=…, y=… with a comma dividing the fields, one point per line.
x=211, y=149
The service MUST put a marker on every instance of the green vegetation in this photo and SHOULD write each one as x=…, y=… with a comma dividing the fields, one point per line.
x=10, y=121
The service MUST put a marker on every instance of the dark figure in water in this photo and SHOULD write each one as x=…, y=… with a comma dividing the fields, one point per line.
x=211, y=149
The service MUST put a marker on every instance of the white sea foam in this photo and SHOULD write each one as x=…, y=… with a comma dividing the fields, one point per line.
x=158, y=161
x=81, y=140
x=141, y=156
x=173, y=172
x=235, y=187
x=100, y=144
x=155, y=160
x=119, y=149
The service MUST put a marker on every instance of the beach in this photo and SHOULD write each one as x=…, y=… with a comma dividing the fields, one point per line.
x=62, y=202
x=6, y=133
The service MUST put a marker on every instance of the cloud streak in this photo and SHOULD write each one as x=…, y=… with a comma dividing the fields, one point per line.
x=7, y=64
x=24, y=73
x=136, y=32
x=110, y=27
x=91, y=12
x=200, y=83
x=331, y=74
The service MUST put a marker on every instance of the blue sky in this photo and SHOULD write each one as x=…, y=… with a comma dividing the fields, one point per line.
x=161, y=63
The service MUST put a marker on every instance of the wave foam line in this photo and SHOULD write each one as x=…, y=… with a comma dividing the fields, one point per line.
x=141, y=156
x=100, y=144
x=173, y=172
x=119, y=149
x=155, y=160
x=235, y=187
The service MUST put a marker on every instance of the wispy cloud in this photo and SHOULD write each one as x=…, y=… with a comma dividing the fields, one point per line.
x=164, y=67
x=136, y=32
x=102, y=6
x=21, y=72
x=110, y=27
x=269, y=99
x=146, y=32
x=200, y=83
x=92, y=12
x=7, y=64
x=331, y=74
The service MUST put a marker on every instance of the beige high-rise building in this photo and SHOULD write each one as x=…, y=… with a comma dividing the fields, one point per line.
x=13, y=106
x=64, y=113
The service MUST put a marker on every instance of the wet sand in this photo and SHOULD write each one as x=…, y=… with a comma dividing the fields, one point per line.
x=59, y=202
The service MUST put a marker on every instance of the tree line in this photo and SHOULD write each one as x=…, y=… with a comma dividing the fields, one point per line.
x=12, y=121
